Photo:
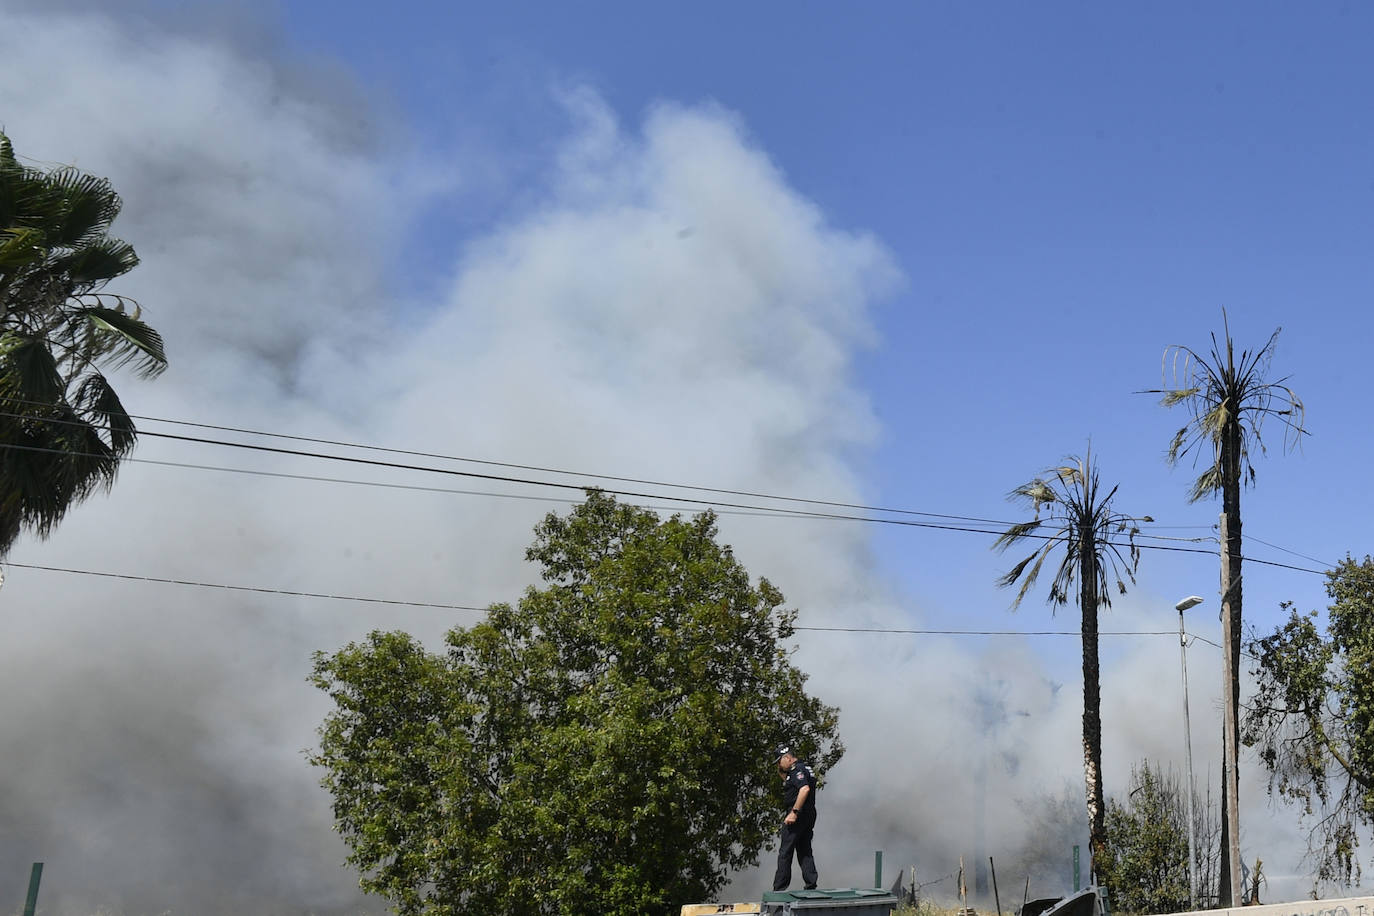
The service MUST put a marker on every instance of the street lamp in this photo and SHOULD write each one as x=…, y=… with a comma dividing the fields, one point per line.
x=1190, y=601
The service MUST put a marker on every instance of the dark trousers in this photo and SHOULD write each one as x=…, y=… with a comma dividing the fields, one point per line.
x=796, y=838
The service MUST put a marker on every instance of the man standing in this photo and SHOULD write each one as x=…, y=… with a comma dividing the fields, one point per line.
x=799, y=794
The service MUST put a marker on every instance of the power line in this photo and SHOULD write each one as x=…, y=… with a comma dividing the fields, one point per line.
x=578, y=486
x=454, y=472
x=916, y=632
x=492, y=463
x=248, y=588
x=542, y=469
x=1319, y=572
x=709, y=504
x=316, y=478
x=1163, y=537
x=1293, y=552
x=1253, y=658
x=160, y=580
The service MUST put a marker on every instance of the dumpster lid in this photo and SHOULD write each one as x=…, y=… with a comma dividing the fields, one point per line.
x=867, y=894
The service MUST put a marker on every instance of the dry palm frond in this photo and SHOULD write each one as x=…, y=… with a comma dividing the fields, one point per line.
x=1222, y=391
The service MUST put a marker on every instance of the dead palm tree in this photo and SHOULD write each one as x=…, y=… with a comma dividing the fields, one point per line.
x=1228, y=399
x=63, y=429
x=1073, y=518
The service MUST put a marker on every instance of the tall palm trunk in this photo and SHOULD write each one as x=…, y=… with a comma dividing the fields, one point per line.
x=1092, y=701
x=1231, y=627
x=1229, y=399
x=1076, y=516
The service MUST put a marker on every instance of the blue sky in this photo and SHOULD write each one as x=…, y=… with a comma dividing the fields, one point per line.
x=907, y=255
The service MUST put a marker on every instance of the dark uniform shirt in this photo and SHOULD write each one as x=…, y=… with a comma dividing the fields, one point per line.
x=800, y=775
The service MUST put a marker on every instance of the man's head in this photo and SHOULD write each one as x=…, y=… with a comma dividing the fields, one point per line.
x=785, y=758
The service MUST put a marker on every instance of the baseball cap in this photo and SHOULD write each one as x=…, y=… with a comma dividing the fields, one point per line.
x=782, y=751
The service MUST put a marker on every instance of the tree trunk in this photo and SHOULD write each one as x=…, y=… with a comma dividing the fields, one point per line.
x=1092, y=702
x=1230, y=543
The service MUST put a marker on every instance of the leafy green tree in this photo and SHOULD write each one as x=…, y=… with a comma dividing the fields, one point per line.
x=1229, y=399
x=1312, y=719
x=63, y=429
x=601, y=747
x=1146, y=867
x=1074, y=518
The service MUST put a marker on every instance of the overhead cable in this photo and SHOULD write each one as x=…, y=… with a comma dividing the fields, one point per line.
x=502, y=464
x=705, y=503
x=160, y=580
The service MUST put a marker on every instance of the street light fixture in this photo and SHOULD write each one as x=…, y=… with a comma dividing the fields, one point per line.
x=1190, y=601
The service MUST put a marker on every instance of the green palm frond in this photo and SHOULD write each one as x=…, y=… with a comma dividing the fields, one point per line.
x=52, y=460
x=93, y=265
x=87, y=462
x=28, y=372
x=20, y=245
x=96, y=399
x=64, y=428
x=88, y=206
x=130, y=340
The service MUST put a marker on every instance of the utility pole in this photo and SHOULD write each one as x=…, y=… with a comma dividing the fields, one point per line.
x=1190, y=601
x=1230, y=734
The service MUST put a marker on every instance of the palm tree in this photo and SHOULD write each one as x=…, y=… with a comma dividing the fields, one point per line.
x=63, y=429
x=1071, y=515
x=1228, y=400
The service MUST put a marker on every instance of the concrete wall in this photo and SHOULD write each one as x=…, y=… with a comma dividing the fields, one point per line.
x=1343, y=906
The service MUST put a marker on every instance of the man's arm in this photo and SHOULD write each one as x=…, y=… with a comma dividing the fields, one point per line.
x=797, y=805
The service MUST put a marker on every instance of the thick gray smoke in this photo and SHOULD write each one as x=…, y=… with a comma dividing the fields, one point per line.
x=662, y=305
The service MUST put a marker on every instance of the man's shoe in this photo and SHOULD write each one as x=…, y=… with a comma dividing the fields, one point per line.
x=809, y=887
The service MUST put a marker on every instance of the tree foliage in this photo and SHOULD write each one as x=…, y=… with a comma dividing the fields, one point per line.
x=1146, y=867
x=1074, y=517
x=599, y=747
x=63, y=428
x=1312, y=719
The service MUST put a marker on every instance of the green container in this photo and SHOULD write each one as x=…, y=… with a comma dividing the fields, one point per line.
x=847, y=901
